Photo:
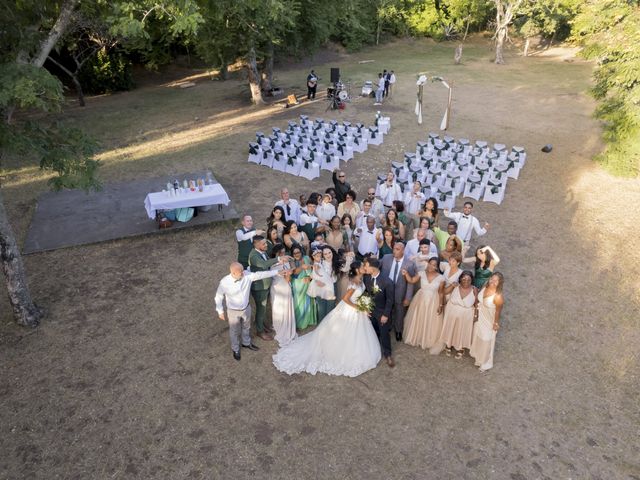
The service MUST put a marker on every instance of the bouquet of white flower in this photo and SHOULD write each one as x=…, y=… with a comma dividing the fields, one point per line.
x=364, y=304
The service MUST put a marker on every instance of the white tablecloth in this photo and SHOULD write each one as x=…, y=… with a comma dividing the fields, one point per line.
x=212, y=195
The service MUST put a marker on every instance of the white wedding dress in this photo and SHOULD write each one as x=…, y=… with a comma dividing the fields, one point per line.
x=344, y=343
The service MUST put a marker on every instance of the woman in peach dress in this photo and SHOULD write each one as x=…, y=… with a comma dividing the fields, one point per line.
x=423, y=322
x=457, y=328
x=490, y=302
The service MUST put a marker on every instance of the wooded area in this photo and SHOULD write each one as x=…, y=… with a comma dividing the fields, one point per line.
x=93, y=44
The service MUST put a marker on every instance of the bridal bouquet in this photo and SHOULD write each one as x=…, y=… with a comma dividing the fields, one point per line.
x=364, y=304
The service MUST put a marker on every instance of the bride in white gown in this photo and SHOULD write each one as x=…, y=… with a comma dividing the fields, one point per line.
x=345, y=343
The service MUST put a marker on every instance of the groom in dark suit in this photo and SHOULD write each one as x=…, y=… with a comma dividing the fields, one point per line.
x=381, y=289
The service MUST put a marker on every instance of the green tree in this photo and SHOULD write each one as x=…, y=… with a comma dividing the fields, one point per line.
x=609, y=31
x=548, y=18
x=29, y=31
x=247, y=29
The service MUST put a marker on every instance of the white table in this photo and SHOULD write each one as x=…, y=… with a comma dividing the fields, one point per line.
x=212, y=195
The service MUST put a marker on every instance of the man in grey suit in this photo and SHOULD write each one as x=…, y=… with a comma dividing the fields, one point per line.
x=392, y=266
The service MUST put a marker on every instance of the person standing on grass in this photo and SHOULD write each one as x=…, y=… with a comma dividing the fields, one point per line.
x=312, y=85
x=341, y=185
x=234, y=290
x=392, y=82
x=380, y=90
x=259, y=262
x=387, y=77
x=490, y=303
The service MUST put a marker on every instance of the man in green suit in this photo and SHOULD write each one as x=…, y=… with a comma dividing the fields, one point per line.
x=259, y=262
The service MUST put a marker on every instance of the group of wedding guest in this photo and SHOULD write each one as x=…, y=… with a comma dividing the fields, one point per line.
x=312, y=243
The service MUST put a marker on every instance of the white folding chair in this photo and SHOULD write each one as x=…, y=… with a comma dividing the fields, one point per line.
x=375, y=137
x=345, y=152
x=522, y=155
x=513, y=166
x=255, y=153
x=279, y=161
x=293, y=165
x=360, y=143
x=421, y=149
x=473, y=188
x=309, y=169
x=381, y=179
x=267, y=158
x=500, y=174
x=446, y=198
x=455, y=181
x=330, y=162
x=494, y=192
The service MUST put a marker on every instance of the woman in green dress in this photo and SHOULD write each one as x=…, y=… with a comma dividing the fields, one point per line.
x=485, y=260
x=303, y=305
x=385, y=246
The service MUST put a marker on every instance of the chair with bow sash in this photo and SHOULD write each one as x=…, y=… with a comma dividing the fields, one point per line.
x=293, y=165
x=330, y=162
x=309, y=169
x=494, y=192
x=267, y=157
x=381, y=179
x=513, y=166
x=360, y=143
x=345, y=151
x=446, y=198
x=255, y=153
x=500, y=174
x=279, y=161
x=375, y=137
x=522, y=155
x=473, y=187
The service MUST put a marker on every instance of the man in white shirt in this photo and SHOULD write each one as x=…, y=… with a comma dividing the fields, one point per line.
x=380, y=90
x=368, y=239
x=413, y=246
x=363, y=214
x=392, y=82
x=377, y=208
x=390, y=191
x=413, y=202
x=291, y=207
x=467, y=223
x=244, y=237
x=235, y=288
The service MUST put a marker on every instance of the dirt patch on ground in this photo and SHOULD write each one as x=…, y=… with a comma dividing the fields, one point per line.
x=131, y=375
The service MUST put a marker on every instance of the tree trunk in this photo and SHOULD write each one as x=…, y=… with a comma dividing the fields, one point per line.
x=79, y=91
x=378, y=29
x=73, y=76
x=66, y=11
x=457, y=57
x=267, y=74
x=526, y=47
x=505, y=10
x=224, y=68
x=501, y=35
x=254, y=77
x=25, y=312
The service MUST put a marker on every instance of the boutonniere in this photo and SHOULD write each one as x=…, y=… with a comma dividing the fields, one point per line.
x=376, y=289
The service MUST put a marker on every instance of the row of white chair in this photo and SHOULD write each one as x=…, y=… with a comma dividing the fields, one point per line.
x=448, y=168
x=303, y=150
